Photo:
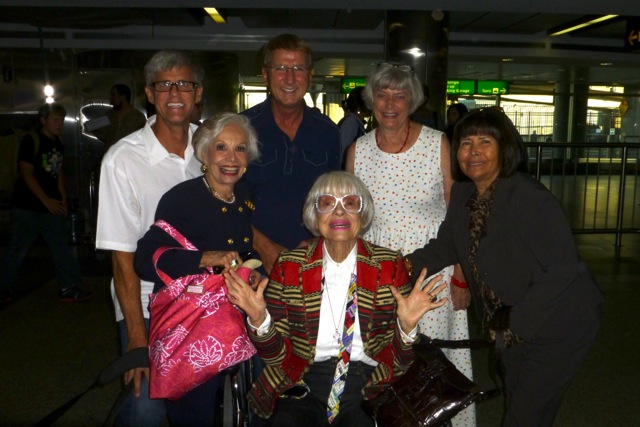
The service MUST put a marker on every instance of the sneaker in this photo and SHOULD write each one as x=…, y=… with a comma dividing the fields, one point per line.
x=74, y=294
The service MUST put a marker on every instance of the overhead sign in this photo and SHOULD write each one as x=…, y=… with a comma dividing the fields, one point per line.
x=632, y=36
x=347, y=84
x=461, y=87
x=493, y=87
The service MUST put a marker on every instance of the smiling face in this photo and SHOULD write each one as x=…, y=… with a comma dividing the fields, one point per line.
x=287, y=87
x=479, y=159
x=339, y=226
x=227, y=158
x=173, y=108
x=391, y=107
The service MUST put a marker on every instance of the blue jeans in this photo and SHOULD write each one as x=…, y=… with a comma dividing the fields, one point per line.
x=139, y=411
x=26, y=226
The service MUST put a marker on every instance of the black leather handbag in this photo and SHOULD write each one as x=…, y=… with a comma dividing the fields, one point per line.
x=432, y=391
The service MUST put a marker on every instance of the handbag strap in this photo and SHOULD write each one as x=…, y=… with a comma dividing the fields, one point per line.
x=178, y=237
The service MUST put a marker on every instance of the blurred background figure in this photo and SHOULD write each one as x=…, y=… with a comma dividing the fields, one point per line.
x=454, y=113
x=120, y=121
x=425, y=115
x=40, y=208
x=353, y=124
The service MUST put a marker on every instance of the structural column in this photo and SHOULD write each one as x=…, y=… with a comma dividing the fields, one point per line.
x=419, y=38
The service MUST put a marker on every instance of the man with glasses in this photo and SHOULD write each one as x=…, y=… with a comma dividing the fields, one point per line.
x=135, y=173
x=298, y=145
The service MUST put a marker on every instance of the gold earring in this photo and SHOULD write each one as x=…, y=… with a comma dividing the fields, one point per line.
x=244, y=170
x=204, y=168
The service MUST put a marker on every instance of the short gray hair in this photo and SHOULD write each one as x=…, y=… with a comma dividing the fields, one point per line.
x=393, y=78
x=211, y=128
x=337, y=182
x=166, y=60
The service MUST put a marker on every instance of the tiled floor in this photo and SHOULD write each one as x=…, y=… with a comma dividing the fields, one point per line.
x=51, y=351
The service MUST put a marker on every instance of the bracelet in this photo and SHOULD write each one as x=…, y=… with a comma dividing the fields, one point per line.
x=459, y=283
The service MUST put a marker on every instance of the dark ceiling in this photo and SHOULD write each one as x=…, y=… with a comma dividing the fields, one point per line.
x=507, y=40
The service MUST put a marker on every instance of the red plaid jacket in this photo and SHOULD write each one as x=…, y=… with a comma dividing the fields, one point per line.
x=293, y=299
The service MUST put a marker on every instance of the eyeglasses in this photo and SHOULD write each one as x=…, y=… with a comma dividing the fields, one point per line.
x=401, y=67
x=351, y=203
x=166, y=85
x=282, y=69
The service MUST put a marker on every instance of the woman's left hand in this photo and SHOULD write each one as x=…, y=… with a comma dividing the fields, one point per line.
x=250, y=300
x=413, y=307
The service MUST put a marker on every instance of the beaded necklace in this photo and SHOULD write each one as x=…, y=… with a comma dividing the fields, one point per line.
x=406, y=138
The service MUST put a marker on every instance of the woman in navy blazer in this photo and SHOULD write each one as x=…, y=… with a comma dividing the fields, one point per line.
x=514, y=243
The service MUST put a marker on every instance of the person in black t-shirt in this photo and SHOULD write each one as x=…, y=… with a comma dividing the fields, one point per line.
x=40, y=208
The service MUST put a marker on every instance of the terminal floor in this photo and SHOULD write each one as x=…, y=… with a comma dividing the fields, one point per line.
x=50, y=351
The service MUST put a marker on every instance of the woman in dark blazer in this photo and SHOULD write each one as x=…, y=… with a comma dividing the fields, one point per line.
x=297, y=327
x=514, y=243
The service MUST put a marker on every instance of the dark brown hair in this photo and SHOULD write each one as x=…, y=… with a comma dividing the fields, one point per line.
x=495, y=123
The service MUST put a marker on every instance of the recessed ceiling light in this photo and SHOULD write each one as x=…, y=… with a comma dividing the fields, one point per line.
x=507, y=59
x=606, y=64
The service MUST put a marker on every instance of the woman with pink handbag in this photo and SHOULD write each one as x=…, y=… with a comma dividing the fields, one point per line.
x=202, y=228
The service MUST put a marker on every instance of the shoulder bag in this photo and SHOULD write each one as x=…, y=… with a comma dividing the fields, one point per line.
x=195, y=332
x=432, y=391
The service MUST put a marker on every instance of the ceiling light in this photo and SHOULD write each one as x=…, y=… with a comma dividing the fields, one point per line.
x=507, y=59
x=215, y=15
x=573, y=26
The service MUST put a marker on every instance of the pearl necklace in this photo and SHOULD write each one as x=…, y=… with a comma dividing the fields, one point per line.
x=406, y=138
x=215, y=194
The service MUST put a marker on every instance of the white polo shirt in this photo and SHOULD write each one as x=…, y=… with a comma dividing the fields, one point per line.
x=135, y=173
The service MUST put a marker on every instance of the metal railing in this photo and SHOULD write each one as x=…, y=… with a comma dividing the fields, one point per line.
x=597, y=184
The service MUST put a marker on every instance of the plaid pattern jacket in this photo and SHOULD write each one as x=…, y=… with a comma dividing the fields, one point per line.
x=293, y=299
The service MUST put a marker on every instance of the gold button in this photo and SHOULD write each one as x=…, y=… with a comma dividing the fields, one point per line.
x=230, y=241
x=240, y=209
x=224, y=209
x=246, y=240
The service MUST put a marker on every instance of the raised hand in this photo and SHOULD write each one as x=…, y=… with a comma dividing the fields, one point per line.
x=250, y=300
x=419, y=301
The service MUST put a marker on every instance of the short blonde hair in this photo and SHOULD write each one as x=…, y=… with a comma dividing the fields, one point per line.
x=337, y=182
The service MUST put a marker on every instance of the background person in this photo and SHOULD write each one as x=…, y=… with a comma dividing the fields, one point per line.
x=135, y=173
x=406, y=166
x=352, y=125
x=40, y=209
x=425, y=115
x=214, y=215
x=299, y=324
x=123, y=118
x=514, y=243
x=454, y=113
x=298, y=144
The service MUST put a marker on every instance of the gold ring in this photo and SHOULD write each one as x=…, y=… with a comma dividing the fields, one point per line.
x=234, y=263
x=433, y=298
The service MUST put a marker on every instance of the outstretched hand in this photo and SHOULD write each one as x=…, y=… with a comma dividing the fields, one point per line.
x=250, y=300
x=419, y=301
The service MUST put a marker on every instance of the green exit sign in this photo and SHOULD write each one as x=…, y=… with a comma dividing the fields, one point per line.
x=493, y=87
x=461, y=87
x=348, y=84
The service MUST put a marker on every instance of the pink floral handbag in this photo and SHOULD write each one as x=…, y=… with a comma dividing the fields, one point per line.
x=195, y=332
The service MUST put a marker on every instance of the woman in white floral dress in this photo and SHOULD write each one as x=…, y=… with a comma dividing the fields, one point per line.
x=406, y=165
